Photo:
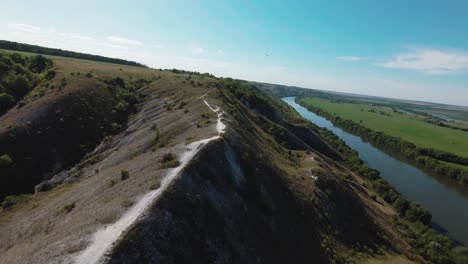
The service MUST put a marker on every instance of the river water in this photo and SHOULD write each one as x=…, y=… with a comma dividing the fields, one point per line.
x=447, y=203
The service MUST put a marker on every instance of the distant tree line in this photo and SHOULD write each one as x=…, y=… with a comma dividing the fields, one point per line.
x=439, y=122
x=426, y=157
x=63, y=53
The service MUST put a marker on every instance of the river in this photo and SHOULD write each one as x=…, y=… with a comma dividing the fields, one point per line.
x=448, y=205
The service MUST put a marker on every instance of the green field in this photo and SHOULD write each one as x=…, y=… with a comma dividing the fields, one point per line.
x=409, y=127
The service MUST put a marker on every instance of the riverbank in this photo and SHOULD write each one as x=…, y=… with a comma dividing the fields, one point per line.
x=409, y=182
x=438, y=162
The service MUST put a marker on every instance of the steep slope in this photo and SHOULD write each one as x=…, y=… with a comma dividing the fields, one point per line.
x=62, y=119
x=269, y=189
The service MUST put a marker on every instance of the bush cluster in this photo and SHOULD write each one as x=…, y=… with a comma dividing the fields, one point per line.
x=19, y=75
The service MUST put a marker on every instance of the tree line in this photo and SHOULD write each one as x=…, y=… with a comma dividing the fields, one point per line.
x=4, y=44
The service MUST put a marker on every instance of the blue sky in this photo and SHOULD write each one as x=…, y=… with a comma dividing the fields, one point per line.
x=401, y=49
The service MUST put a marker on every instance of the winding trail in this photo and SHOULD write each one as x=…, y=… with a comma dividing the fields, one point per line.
x=104, y=239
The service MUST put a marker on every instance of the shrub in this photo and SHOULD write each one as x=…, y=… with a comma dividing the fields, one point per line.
x=418, y=214
x=112, y=182
x=167, y=157
x=124, y=175
x=155, y=185
x=69, y=207
x=6, y=102
x=170, y=164
x=169, y=161
x=12, y=200
x=401, y=205
x=6, y=161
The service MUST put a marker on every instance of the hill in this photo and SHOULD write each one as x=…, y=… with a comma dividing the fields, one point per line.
x=126, y=164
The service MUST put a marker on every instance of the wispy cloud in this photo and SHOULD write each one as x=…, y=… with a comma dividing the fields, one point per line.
x=124, y=41
x=220, y=51
x=429, y=61
x=25, y=27
x=350, y=58
x=76, y=36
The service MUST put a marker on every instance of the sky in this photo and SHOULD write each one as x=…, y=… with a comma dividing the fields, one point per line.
x=401, y=49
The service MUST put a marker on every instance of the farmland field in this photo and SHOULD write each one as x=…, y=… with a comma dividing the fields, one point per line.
x=410, y=127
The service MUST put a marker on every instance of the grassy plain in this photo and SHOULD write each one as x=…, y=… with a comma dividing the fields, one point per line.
x=409, y=127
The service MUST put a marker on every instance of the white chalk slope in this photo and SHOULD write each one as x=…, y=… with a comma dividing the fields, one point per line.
x=103, y=240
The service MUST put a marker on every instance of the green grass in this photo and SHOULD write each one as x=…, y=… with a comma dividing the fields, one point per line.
x=409, y=127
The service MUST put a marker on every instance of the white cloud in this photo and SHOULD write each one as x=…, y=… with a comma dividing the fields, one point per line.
x=25, y=27
x=76, y=36
x=220, y=51
x=349, y=58
x=429, y=61
x=124, y=41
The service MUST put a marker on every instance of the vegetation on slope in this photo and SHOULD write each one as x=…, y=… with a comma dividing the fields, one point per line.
x=61, y=119
x=4, y=44
x=19, y=75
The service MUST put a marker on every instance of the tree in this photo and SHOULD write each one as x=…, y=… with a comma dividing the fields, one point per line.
x=418, y=214
x=20, y=87
x=6, y=102
x=39, y=63
x=401, y=205
x=6, y=161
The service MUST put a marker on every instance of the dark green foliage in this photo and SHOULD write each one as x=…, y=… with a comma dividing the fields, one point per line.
x=69, y=207
x=167, y=157
x=39, y=64
x=169, y=161
x=126, y=96
x=435, y=248
x=19, y=75
x=7, y=101
x=64, y=53
x=124, y=175
x=6, y=161
x=12, y=200
x=416, y=213
x=401, y=205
